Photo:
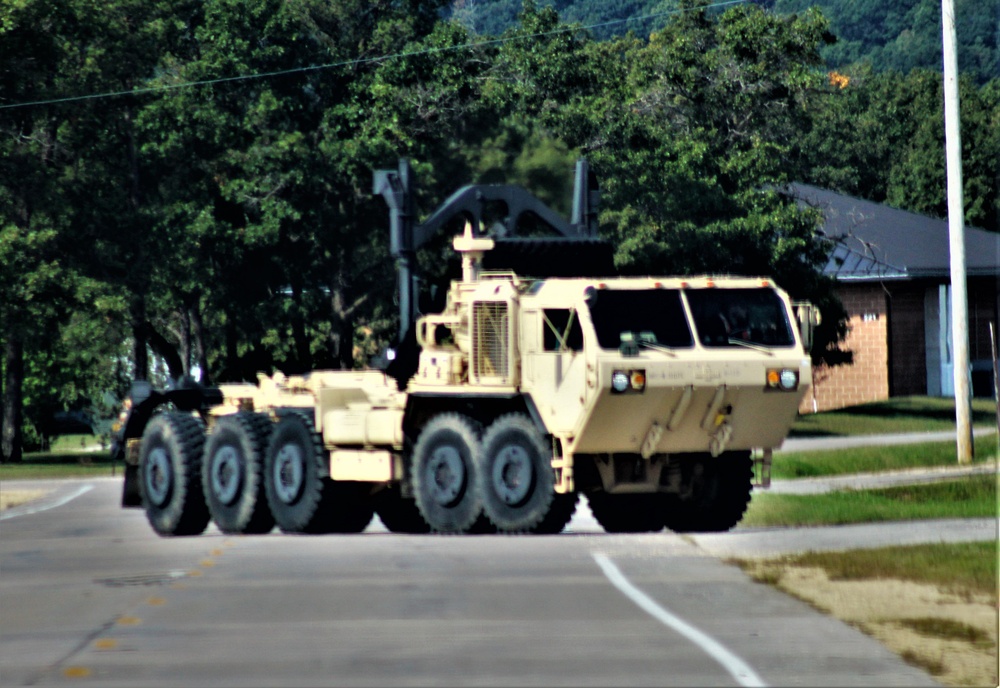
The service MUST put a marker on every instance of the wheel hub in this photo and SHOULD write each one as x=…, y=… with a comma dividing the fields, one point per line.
x=226, y=476
x=289, y=472
x=159, y=476
x=512, y=475
x=447, y=475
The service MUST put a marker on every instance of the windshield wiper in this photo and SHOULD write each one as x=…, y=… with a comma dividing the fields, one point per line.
x=631, y=343
x=751, y=345
x=655, y=346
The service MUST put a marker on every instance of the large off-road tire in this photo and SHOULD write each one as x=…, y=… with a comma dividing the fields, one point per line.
x=445, y=473
x=233, y=473
x=293, y=474
x=560, y=513
x=301, y=498
x=516, y=474
x=170, y=474
x=399, y=514
x=346, y=507
x=130, y=487
x=627, y=513
x=717, y=494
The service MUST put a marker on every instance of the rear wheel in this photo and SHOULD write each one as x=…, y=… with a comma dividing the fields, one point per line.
x=445, y=462
x=517, y=479
x=627, y=513
x=301, y=497
x=399, y=514
x=562, y=510
x=170, y=474
x=293, y=480
x=232, y=473
x=715, y=494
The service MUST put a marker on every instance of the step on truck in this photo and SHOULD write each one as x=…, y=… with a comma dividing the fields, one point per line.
x=661, y=399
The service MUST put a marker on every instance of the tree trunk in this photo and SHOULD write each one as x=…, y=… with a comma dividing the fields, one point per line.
x=198, y=335
x=342, y=315
x=165, y=350
x=303, y=356
x=184, y=336
x=11, y=450
x=139, y=354
x=3, y=367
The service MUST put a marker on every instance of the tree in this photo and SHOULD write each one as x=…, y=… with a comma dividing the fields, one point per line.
x=881, y=137
x=699, y=151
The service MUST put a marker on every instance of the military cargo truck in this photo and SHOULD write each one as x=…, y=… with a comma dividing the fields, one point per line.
x=660, y=399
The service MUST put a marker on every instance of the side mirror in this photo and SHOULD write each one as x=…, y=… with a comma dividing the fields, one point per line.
x=809, y=318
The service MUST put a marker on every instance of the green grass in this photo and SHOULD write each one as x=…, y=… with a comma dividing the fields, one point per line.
x=876, y=458
x=62, y=464
x=969, y=497
x=73, y=443
x=956, y=566
x=901, y=414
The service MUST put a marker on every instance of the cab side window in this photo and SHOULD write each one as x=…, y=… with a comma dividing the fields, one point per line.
x=561, y=330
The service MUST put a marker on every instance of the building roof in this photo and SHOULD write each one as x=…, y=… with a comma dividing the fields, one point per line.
x=876, y=242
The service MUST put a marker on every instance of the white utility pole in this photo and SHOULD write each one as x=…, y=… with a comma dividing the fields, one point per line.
x=956, y=233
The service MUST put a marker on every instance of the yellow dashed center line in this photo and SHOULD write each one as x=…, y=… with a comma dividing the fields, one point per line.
x=76, y=672
x=156, y=601
x=207, y=563
x=129, y=621
x=105, y=644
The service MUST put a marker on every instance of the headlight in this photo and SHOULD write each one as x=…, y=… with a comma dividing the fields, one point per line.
x=619, y=381
x=785, y=379
x=628, y=381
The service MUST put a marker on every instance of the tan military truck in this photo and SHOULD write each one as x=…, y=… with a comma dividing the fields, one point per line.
x=659, y=398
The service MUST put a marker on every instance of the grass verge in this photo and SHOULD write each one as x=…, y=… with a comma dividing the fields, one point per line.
x=969, y=497
x=874, y=459
x=934, y=605
x=900, y=414
x=52, y=465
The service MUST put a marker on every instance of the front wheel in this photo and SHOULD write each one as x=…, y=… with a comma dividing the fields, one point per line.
x=715, y=494
x=170, y=474
x=445, y=462
x=517, y=479
x=627, y=513
x=560, y=514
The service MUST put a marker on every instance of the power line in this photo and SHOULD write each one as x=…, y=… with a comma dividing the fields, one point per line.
x=358, y=61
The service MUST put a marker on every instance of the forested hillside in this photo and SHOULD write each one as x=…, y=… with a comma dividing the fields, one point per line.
x=896, y=35
x=903, y=35
x=186, y=185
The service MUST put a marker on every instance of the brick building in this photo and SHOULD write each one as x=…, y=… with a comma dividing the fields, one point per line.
x=893, y=272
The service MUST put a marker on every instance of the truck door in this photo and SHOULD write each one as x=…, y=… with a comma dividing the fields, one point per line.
x=555, y=366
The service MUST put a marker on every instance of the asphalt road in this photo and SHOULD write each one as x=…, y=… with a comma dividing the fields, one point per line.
x=90, y=596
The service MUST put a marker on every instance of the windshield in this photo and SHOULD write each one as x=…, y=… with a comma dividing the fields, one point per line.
x=735, y=317
x=657, y=311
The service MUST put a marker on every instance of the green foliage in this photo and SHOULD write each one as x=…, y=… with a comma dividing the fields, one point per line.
x=881, y=137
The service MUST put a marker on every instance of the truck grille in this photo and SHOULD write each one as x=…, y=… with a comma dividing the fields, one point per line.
x=490, y=340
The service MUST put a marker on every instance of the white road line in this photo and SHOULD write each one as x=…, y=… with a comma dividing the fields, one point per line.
x=737, y=668
x=44, y=506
